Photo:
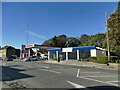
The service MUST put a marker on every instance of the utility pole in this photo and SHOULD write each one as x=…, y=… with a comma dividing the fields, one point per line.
x=27, y=39
x=27, y=35
x=107, y=37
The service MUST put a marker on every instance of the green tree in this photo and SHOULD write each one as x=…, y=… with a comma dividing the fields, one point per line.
x=84, y=38
x=72, y=42
x=61, y=40
x=93, y=40
x=55, y=41
x=114, y=32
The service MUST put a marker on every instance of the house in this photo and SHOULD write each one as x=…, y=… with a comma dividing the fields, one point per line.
x=8, y=51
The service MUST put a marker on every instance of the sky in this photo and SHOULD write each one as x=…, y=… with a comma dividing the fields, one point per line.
x=43, y=20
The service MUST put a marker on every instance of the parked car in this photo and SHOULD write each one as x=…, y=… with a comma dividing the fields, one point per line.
x=44, y=56
x=14, y=56
x=26, y=59
x=34, y=58
x=8, y=59
x=31, y=58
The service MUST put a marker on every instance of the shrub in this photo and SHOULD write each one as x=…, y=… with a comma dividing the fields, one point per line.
x=103, y=60
x=114, y=59
x=92, y=58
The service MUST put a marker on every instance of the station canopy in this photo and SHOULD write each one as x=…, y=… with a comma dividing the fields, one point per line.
x=73, y=48
x=41, y=46
x=84, y=48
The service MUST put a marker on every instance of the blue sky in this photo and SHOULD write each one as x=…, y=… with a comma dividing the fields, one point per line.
x=46, y=20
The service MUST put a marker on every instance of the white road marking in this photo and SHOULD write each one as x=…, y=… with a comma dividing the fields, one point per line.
x=51, y=71
x=44, y=66
x=76, y=85
x=89, y=72
x=108, y=68
x=98, y=81
x=113, y=81
x=95, y=72
x=103, y=76
x=78, y=72
x=113, y=84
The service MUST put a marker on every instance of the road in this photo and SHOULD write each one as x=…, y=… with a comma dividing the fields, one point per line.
x=38, y=74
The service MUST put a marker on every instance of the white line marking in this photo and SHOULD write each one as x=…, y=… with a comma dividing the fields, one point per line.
x=76, y=85
x=89, y=72
x=103, y=76
x=98, y=81
x=113, y=84
x=51, y=71
x=108, y=68
x=113, y=81
x=78, y=72
x=95, y=72
x=44, y=66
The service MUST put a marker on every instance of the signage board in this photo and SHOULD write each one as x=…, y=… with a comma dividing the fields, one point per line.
x=69, y=49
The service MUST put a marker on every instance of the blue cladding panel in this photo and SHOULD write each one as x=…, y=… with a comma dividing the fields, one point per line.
x=74, y=48
x=84, y=48
x=54, y=49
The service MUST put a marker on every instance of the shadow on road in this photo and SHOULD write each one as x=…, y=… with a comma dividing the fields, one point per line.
x=9, y=73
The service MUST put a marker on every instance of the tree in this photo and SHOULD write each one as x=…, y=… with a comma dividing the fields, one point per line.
x=93, y=40
x=72, y=42
x=62, y=40
x=114, y=32
x=55, y=41
x=84, y=38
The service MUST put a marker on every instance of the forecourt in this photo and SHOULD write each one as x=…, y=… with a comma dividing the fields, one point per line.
x=38, y=74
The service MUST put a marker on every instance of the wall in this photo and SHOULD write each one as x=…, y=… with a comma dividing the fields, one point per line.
x=97, y=52
x=100, y=53
x=93, y=52
x=3, y=53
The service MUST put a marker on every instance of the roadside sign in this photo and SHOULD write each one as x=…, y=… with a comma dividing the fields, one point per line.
x=69, y=49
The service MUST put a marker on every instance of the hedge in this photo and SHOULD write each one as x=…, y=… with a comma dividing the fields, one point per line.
x=103, y=60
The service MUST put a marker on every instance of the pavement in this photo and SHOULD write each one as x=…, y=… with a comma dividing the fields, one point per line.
x=3, y=85
x=43, y=74
x=113, y=66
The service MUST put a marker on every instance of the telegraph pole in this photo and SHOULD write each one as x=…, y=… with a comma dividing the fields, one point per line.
x=27, y=35
x=27, y=39
x=107, y=37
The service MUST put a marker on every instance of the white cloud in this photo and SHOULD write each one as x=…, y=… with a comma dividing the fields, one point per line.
x=36, y=35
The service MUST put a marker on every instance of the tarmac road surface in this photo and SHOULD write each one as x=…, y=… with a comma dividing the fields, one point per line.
x=38, y=74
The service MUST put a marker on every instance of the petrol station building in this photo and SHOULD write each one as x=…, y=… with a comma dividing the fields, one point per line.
x=25, y=49
x=67, y=53
x=71, y=52
x=76, y=53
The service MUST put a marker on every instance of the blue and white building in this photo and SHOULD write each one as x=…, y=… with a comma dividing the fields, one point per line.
x=75, y=53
